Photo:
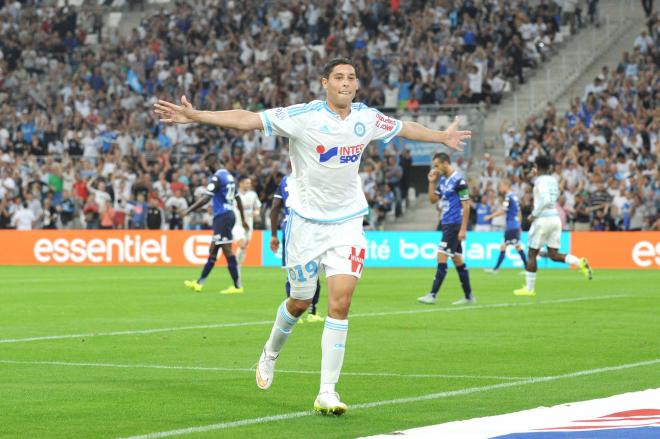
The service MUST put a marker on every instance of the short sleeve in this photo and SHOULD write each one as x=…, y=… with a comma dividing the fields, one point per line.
x=286, y=121
x=278, y=192
x=507, y=202
x=437, y=191
x=462, y=189
x=214, y=186
x=385, y=128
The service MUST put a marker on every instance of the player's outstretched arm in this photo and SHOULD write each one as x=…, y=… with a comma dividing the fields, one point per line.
x=451, y=137
x=185, y=113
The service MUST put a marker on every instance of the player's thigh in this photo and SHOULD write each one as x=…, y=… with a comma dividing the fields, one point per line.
x=222, y=228
x=553, y=233
x=450, y=245
x=512, y=237
x=238, y=233
x=536, y=238
x=303, y=279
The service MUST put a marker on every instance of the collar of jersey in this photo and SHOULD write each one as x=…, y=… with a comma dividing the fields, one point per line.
x=335, y=115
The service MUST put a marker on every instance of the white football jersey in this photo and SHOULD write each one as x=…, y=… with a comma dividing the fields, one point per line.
x=325, y=152
x=251, y=203
x=546, y=194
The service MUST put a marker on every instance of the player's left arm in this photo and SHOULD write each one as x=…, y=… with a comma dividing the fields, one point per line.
x=464, y=195
x=452, y=136
x=239, y=205
x=464, y=221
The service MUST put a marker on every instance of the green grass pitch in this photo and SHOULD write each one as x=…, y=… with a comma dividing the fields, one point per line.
x=68, y=371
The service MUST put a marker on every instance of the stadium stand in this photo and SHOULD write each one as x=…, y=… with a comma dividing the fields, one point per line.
x=80, y=146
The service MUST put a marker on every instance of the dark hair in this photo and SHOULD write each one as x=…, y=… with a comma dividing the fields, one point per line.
x=211, y=157
x=543, y=163
x=327, y=69
x=442, y=156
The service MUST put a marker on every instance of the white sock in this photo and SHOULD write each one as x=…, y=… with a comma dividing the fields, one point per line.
x=572, y=260
x=284, y=323
x=531, y=280
x=333, y=344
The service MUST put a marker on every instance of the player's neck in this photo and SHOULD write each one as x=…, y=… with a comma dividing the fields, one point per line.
x=342, y=112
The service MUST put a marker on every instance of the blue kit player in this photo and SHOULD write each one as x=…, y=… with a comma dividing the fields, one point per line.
x=450, y=186
x=279, y=205
x=222, y=190
x=512, y=233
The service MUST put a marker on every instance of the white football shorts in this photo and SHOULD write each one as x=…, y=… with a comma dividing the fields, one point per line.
x=336, y=248
x=545, y=231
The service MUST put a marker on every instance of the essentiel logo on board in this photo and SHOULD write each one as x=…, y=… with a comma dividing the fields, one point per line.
x=618, y=249
x=113, y=247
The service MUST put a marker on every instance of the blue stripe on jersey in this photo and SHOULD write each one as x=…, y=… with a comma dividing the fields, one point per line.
x=315, y=106
x=448, y=189
x=394, y=132
x=512, y=222
x=362, y=212
x=268, y=126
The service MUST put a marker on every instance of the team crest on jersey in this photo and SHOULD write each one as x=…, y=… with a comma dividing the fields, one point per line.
x=359, y=129
x=347, y=154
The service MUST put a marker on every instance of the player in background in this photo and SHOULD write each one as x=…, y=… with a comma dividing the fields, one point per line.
x=279, y=205
x=546, y=227
x=251, y=206
x=326, y=204
x=448, y=185
x=512, y=232
x=222, y=190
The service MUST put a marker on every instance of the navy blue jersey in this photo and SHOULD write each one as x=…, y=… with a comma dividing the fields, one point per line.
x=452, y=190
x=512, y=207
x=223, y=190
x=282, y=192
x=482, y=211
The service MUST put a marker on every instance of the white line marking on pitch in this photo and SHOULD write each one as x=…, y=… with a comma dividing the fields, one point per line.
x=368, y=405
x=251, y=370
x=270, y=322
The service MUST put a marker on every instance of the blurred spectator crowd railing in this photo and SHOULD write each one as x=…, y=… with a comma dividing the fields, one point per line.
x=80, y=145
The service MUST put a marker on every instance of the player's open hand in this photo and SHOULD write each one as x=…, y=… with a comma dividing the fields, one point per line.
x=171, y=113
x=274, y=244
x=455, y=138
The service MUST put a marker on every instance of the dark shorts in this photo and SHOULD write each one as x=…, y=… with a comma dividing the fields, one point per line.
x=512, y=237
x=450, y=244
x=222, y=225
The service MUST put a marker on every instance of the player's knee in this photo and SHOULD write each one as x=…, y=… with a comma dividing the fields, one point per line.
x=297, y=307
x=339, y=305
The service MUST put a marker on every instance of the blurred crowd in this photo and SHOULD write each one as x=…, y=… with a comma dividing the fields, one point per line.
x=80, y=146
x=606, y=148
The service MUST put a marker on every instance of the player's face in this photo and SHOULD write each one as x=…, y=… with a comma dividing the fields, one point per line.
x=440, y=167
x=341, y=85
x=246, y=185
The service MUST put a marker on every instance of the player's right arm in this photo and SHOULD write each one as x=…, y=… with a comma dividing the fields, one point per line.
x=197, y=204
x=274, y=221
x=185, y=113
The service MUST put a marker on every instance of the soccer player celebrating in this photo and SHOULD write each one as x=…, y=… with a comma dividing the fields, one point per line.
x=512, y=232
x=279, y=205
x=326, y=204
x=449, y=185
x=251, y=206
x=222, y=190
x=546, y=227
